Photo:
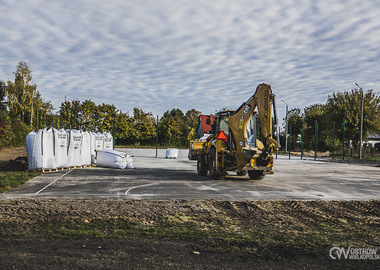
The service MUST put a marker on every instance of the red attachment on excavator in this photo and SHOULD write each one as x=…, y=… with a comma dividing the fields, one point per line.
x=222, y=136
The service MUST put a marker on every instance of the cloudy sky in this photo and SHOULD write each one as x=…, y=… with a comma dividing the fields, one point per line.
x=163, y=54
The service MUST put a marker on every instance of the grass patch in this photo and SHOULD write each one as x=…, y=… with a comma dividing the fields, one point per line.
x=120, y=228
x=15, y=179
x=218, y=237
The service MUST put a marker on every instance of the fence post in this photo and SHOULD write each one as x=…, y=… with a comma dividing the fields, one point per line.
x=316, y=140
x=344, y=135
x=114, y=131
x=157, y=137
x=290, y=139
x=278, y=130
x=333, y=150
x=302, y=134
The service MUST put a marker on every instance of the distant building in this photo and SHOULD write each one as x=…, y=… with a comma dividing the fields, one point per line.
x=374, y=141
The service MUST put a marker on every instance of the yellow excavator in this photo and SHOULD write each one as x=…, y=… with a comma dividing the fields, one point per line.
x=232, y=148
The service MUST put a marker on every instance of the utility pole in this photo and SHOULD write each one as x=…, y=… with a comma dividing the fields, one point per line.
x=333, y=150
x=302, y=137
x=114, y=131
x=361, y=123
x=157, y=137
x=286, y=129
x=316, y=140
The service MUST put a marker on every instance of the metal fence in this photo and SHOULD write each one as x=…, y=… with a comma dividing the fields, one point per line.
x=343, y=147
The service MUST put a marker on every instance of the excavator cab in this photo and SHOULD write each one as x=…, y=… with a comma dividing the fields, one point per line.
x=221, y=122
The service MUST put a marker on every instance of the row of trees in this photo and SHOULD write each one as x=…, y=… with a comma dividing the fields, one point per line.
x=22, y=109
x=174, y=128
x=341, y=108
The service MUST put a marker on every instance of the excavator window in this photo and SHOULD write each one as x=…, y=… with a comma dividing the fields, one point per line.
x=251, y=131
x=223, y=124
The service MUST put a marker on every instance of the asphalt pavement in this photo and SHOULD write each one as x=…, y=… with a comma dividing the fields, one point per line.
x=163, y=179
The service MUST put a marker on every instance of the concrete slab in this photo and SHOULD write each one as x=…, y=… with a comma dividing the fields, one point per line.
x=162, y=179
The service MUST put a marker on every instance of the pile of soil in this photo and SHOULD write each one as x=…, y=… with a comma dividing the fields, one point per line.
x=19, y=164
x=13, y=159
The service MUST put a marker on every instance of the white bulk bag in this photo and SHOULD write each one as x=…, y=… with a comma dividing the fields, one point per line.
x=99, y=141
x=172, y=153
x=74, y=148
x=60, y=148
x=93, y=147
x=113, y=159
x=30, y=141
x=35, y=153
x=86, y=148
x=108, y=141
x=48, y=159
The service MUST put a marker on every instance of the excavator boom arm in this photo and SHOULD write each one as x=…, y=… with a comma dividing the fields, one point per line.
x=262, y=99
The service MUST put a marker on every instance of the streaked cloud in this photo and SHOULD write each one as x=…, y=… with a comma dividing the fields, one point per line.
x=159, y=55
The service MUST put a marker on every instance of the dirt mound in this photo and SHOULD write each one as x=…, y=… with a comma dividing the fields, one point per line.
x=13, y=159
x=20, y=164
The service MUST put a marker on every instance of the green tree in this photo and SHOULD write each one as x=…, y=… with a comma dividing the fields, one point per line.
x=172, y=128
x=191, y=122
x=6, y=132
x=143, y=126
x=347, y=105
x=69, y=114
x=295, y=119
x=21, y=93
x=317, y=112
x=106, y=117
x=3, y=92
x=88, y=116
x=124, y=130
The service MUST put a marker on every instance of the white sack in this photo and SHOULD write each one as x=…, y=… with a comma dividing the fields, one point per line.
x=86, y=148
x=34, y=150
x=74, y=148
x=172, y=153
x=93, y=147
x=60, y=148
x=114, y=159
x=30, y=141
x=99, y=141
x=48, y=159
x=108, y=141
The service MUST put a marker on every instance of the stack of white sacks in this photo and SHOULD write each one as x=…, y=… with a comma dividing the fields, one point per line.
x=52, y=148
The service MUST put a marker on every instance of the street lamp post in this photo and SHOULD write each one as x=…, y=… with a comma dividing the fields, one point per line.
x=361, y=123
x=286, y=129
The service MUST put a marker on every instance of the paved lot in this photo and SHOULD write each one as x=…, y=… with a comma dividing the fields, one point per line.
x=161, y=179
